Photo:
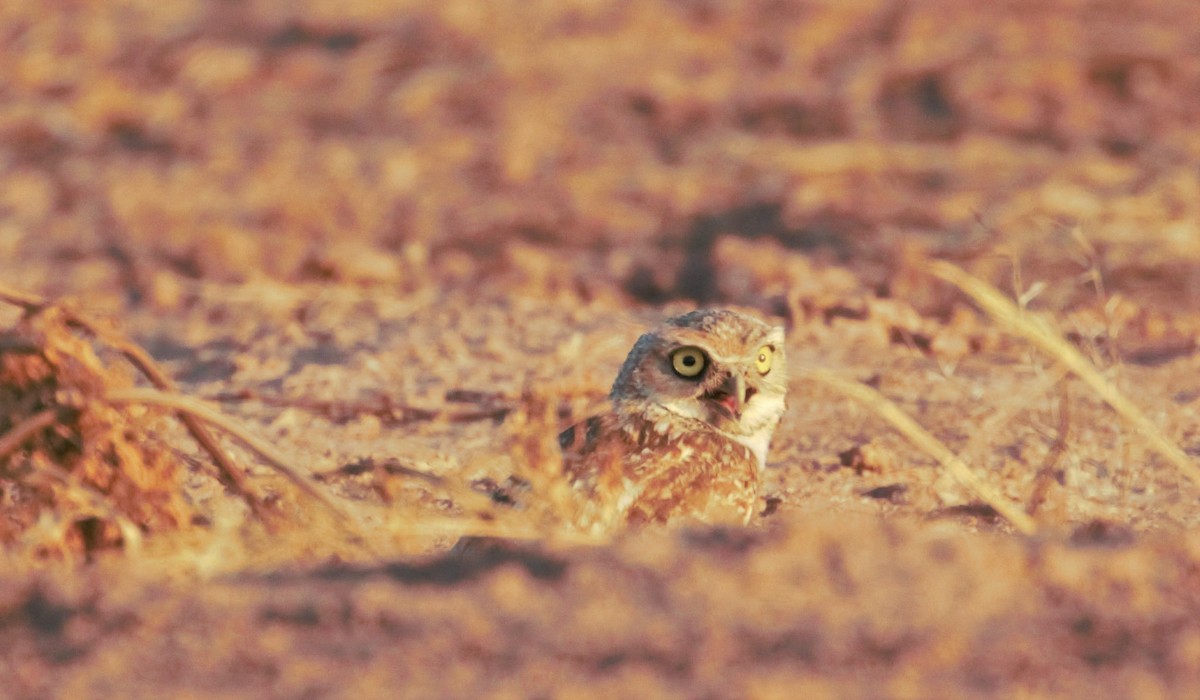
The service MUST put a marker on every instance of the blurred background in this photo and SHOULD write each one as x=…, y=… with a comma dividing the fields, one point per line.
x=401, y=239
x=635, y=151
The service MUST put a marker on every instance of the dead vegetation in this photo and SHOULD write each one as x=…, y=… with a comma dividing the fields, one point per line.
x=322, y=281
x=89, y=472
x=79, y=473
x=85, y=467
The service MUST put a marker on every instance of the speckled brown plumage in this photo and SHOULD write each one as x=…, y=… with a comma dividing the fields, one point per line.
x=693, y=410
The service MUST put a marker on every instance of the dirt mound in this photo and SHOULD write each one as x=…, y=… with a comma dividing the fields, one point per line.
x=817, y=604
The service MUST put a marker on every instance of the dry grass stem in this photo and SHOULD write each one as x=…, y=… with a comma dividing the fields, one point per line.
x=262, y=448
x=1049, y=474
x=231, y=474
x=456, y=490
x=484, y=517
x=924, y=440
x=77, y=472
x=1010, y=409
x=381, y=406
x=27, y=428
x=1037, y=331
x=25, y=300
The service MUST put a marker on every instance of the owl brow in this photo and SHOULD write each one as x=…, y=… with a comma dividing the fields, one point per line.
x=732, y=358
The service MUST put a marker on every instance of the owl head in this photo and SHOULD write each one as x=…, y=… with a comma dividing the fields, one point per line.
x=718, y=366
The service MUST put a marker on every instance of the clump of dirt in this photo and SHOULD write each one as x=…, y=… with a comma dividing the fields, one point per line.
x=78, y=472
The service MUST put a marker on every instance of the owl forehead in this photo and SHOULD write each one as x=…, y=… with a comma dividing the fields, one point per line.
x=733, y=343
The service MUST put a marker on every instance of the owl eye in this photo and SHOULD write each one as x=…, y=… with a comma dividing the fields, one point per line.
x=762, y=361
x=688, y=362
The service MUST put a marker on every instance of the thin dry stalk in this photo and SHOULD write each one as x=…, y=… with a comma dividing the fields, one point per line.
x=457, y=491
x=924, y=440
x=489, y=520
x=381, y=406
x=263, y=449
x=1037, y=331
x=1049, y=474
x=537, y=457
x=27, y=428
x=231, y=474
x=993, y=424
x=25, y=300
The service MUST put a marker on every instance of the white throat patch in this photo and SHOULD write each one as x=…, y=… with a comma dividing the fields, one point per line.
x=759, y=421
x=758, y=443
x=761, y=418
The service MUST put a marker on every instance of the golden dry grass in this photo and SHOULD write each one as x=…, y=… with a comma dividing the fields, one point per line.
x=40, y=403
x=1042, y=335
x=85, y=465
x=79, y=473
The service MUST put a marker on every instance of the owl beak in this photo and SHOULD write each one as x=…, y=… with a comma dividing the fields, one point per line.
x=730, y=397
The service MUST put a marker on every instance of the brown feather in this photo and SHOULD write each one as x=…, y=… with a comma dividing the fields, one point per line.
x=678, y=444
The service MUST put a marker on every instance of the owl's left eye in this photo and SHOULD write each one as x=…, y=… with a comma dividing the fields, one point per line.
x=762, y=361
x=688, y=362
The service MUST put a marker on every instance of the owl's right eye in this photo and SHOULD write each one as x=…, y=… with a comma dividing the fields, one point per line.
x=688, y=362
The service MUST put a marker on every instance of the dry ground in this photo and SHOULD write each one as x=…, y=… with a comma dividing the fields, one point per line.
x=410, y=238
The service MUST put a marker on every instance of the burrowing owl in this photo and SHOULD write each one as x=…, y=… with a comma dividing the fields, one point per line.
x=693, y=410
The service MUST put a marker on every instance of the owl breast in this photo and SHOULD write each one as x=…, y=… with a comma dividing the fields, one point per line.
x=638, y=471
x=694, y=406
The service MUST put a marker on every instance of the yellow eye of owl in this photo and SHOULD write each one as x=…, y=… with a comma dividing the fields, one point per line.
x=688, y=362
x=763, y=361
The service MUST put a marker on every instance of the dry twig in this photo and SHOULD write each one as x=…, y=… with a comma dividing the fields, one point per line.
x=1049, y=473
x=1037, y=331
x=193, y=408
x=30, y=426
x=231, y=474
x=925, y=440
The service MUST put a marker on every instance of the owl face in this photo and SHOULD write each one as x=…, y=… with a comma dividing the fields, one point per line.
x=718, y=366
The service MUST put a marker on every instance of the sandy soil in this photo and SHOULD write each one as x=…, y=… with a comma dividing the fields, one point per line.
x=404, y=241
